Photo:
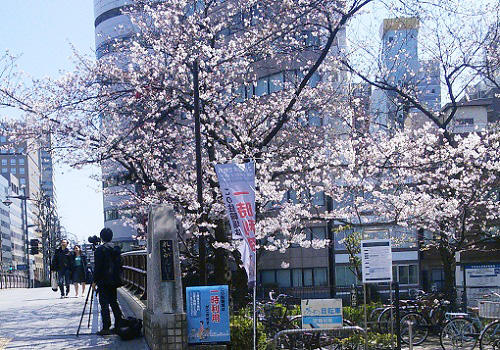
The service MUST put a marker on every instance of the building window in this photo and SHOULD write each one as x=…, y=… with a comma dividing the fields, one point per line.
x=283, y=278
x=403, y=238
x=276, y=82
x=268, y=277
x=21, y=171
x=13, y=171
x=3, y=139
x=314, y=80
x=319, y=199
x=297, y=277
x=291, y=196
x=344, y=276
x=320, y=277
x=240, y=94
x=437, y=278
x=4, y=161
x=249, y=91
x=13, y=161
x=465, y=121
x=405, y=274
x=308, y=277
x=21, y=161
x=22, y=181
x=318, y=232
x=111, y=214
x=314, y=118
x=262, y=87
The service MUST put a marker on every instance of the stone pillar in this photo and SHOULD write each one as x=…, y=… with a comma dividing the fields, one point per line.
x=165, y=325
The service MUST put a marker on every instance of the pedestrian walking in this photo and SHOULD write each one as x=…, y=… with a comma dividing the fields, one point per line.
x=107, y=278
x=79, y=269
x=62, y=264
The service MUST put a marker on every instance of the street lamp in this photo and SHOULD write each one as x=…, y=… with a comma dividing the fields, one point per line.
x=23, y=199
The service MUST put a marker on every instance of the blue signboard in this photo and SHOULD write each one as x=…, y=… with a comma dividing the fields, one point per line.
x=321, y=313
x=208, y=314
x=22, y=267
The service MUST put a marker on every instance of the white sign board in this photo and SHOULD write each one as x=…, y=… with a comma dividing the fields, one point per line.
x=376, y=260
x=483, y=275
x=321, y=313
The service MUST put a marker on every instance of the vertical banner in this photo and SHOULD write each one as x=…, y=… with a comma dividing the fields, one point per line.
x=207, y=314
x=237, y=184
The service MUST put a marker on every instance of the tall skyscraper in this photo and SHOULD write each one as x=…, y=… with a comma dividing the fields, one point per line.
x=112, y=26
x=401, y=67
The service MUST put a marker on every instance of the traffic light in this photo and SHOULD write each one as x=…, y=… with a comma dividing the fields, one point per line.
x=34, y=246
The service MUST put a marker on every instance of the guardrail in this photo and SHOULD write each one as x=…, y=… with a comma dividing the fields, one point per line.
x=340, y=332
x=9, y=280
x=135, y=272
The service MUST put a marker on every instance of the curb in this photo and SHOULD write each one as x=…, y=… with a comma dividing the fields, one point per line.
x=134, y=304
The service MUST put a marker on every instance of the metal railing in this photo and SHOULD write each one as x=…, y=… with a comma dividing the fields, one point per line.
x=9, y=280
x=135, y=272
x=341, y=332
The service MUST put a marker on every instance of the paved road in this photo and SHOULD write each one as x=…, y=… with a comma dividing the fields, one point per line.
x=38, y=318
x=431, y=343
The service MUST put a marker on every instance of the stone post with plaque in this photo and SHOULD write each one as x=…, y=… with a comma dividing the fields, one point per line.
x=164, y=318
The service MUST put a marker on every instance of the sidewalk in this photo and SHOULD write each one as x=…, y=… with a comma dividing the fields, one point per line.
x=38, y=318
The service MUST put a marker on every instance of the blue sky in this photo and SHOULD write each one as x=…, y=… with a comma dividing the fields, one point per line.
x=42, y=32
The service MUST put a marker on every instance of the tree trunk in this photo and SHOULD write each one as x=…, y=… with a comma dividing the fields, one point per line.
x=221, y=268
x=449, y=264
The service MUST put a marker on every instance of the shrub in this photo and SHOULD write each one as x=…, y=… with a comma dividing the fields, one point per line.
x=356, y=314
x=242, y=333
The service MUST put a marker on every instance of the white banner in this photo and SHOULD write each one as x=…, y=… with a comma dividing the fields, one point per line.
x=237, y=184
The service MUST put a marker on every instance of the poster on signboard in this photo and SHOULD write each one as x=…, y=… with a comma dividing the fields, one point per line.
x=321, y=313
x=376, y=260
x=208, y=314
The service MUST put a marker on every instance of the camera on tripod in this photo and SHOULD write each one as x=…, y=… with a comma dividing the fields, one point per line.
x=94, y=240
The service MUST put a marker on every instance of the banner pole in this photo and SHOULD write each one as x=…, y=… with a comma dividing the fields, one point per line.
x=365, y=316
x=255, y=303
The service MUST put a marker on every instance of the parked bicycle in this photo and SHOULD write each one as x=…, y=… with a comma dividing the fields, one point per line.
x=464, y=330
x=425, y=320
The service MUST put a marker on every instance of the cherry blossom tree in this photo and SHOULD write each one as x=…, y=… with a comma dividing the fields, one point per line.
x=135, y=107
x=426, y=176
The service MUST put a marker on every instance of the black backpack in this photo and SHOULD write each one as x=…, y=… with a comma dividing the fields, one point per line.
x=129, y=328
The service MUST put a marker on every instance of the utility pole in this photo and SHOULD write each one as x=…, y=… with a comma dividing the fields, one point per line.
x=199, y=179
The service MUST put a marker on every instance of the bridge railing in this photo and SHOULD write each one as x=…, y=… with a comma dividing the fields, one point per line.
x=134, y=273
x=10, y=280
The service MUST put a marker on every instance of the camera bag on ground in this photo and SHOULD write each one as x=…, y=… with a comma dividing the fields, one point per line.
x=130, y=328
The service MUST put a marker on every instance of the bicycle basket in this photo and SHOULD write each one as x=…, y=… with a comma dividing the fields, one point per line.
x=489, y=309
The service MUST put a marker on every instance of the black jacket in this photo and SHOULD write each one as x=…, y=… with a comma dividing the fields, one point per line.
x=108, y=265
x=62, y=260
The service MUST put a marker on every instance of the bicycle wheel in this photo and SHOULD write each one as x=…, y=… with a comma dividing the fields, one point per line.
x=459, y=333
x=420, y=328
x=490, y=337
x=384, y=321
x=373, y=317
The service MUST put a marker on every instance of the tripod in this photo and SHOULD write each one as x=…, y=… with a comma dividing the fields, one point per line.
x=90, y=292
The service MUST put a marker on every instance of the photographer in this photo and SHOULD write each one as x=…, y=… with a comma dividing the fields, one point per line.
x=107, y=277
x=62, y=263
